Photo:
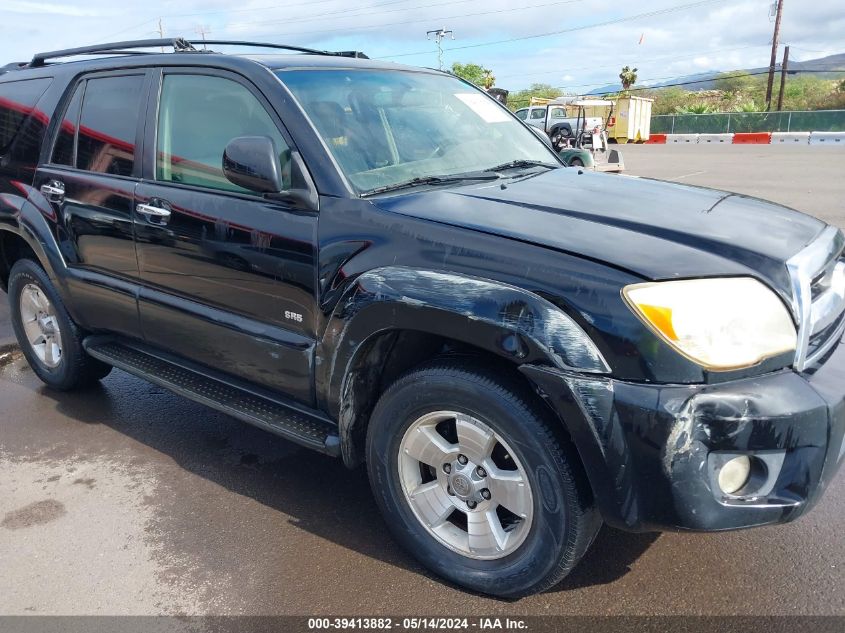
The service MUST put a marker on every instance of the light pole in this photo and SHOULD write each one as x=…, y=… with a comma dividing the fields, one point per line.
x=439, y=35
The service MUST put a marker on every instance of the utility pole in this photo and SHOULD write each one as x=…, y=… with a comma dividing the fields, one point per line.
x=774, y=55
x=203, y=31
x=783, y=77
x=439, y=36
x=161, y=32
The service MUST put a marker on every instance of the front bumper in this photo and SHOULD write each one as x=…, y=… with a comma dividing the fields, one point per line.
x=647, y=448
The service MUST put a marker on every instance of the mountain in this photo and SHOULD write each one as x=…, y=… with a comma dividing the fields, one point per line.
x=830, y=67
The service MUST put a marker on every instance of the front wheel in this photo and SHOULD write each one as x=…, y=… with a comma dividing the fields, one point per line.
x=473, y=481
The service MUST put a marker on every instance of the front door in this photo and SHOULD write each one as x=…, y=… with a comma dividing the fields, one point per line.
x=90, y=181
x=228, y=276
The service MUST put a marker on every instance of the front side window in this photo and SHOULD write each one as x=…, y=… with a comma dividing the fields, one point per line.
x=108, y=123
x=538, y=114
x=521, y=114
x=385, y=127
x=198, y=116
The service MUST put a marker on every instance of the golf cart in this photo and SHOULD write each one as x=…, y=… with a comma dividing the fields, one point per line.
x=589, y=147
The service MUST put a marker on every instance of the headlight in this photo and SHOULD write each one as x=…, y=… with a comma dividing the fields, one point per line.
x=720, y=324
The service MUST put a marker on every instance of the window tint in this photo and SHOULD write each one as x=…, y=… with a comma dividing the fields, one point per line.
x=538, y=114
x=198, y=116
x=107, y=126
x=521, y=114
x=17, y=102
x=63, y=149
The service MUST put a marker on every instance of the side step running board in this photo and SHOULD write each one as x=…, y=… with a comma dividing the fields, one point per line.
x=275, y=416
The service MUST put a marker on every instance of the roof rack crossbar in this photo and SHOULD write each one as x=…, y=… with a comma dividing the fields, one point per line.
x=286, y=47
x=178, y=44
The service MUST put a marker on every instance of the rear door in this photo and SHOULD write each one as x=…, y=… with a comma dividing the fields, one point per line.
x=229, y=277
x=90, y=181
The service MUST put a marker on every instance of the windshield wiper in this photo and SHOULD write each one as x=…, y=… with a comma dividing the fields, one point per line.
x=514, y=164
x=432, y=180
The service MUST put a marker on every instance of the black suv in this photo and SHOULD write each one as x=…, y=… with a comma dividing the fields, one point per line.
x=383, y=264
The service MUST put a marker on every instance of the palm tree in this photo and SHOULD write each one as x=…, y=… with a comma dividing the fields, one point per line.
x=628, y=77
x=488, y=78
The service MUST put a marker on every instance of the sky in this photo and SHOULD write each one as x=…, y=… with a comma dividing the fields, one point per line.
x=576, y=45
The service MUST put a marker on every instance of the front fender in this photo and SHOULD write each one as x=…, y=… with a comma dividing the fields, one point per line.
x=566, y=155
x=29, y=216
x=503, y=319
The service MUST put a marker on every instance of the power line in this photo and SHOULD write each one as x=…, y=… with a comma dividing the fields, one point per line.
x=308, y=3
x=416, y=21
x=629, y=18
x=635, y=62
x=362, y=11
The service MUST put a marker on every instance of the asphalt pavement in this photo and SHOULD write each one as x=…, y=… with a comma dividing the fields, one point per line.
x=125, y=499
x=7, y=336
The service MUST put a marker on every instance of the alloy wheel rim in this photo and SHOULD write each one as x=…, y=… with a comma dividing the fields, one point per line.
x=41, y=326
x=465, y=486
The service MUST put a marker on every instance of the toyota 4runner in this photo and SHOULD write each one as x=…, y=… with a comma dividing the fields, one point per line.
x=383, y=264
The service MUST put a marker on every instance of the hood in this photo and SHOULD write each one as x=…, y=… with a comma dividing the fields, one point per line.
x=654, y=229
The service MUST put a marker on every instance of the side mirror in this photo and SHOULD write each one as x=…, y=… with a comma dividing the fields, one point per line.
x=252, y=162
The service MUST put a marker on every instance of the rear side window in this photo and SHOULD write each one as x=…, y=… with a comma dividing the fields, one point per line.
x=198, y=116
x=107, y=125
x=17, y=103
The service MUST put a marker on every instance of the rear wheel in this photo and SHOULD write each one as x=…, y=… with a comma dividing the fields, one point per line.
x=49, y=339
x=474, y=482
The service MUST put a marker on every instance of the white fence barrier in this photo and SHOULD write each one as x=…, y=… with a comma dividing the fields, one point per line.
x=790, y=138
x=682, y=138
x=715, y=138
x=827, y=138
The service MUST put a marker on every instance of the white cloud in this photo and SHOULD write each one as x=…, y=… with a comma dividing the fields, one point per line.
x=720, y=35
x=20, y=6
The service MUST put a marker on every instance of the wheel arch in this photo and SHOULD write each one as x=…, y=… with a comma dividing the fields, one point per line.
x=396, y=317
x=25, y=231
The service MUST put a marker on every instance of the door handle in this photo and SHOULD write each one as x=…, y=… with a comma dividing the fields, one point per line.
x=152, y=211
x=54, y=191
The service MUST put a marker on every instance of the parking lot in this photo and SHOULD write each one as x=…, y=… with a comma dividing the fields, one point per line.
x=128, y=500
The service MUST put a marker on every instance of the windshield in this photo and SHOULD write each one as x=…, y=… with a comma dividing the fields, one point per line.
x=386, y=127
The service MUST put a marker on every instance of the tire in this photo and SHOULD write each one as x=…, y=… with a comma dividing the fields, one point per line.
x=560, y=138
x=563, y=519
x=70, y=367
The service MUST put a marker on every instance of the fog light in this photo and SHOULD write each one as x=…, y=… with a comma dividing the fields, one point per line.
x=734, y=474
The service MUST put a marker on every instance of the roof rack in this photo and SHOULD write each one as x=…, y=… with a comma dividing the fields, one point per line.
x=116, y=48
x=179, y=45
x=286, y=47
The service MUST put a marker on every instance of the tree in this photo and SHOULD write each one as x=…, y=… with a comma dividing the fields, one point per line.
x=474, y=73
x=628, y=77
x=734, y=81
